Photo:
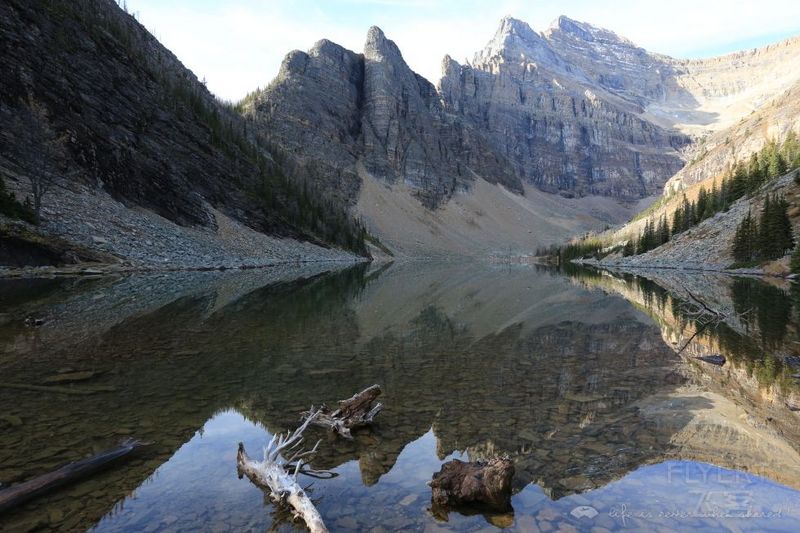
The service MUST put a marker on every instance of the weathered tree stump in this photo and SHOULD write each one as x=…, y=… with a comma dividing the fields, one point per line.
x=352, y=413
x=483, y=484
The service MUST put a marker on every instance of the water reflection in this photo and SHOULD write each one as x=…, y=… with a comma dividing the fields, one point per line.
x=576, y=384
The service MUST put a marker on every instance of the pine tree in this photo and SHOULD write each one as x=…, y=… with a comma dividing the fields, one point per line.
x=684, y=217
x=663, y=231
x=777, y=165
x=712, y=204
x=690, y=217
x=677, y=221
x=744, y=240
x=795, y=262
x=741, y=181
x=765, y=246
x=791, y=150
x=702, y=203
x=775, y=229
x=781, y=227
x=648, y=239
x=724, y=201
x=629, y=249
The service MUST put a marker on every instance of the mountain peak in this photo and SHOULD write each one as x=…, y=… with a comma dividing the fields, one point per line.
x=584, y=31
x=515, y=39
x=375, y=34
x=378, y=46
x=514, y=26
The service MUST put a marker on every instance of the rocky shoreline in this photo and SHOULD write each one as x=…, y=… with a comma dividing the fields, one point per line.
x=678, y=266
x=118, y=238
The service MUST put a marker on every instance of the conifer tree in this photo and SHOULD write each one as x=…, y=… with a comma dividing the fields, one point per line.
x=677, y=221
x=742, y=180
x=777, y=165
x=791, y=150
x=794, y=265
x=724, y=201
x=780, y=238
x=629, y=249
x=662, y=235
x=744, y=240
x=702, y=203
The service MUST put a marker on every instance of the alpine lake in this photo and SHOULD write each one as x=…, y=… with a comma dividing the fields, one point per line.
x=605, y=389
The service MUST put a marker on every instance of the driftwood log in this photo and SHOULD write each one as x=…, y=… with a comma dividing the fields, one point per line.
x=718, y=360
x=484, y=484
x=352, y=413
x=27, y=490
x=278, y=475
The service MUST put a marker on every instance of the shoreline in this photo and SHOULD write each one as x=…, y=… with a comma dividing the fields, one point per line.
x=90, y=270
x=691, y=269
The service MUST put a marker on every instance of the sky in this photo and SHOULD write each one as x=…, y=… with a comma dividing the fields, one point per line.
x=238, y=45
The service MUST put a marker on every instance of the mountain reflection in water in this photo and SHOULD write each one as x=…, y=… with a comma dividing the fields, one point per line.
x=576, y=377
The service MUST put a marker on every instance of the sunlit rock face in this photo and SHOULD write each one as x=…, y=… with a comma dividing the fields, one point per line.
x=574, y=109
x=565, y=107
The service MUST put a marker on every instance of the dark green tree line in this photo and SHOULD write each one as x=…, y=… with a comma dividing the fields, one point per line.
x=767, y=238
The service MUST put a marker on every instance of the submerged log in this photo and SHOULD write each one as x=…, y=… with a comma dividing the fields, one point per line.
x=278, y=475
x=22, y=492
x=485, y=484
x=718, y=360
x=352, y=413
x=73, y=391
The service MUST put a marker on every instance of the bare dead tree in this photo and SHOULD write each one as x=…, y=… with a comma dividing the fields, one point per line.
x=39, y=149
x=278, y=475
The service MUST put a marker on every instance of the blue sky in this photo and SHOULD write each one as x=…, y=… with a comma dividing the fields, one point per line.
x=238, y=45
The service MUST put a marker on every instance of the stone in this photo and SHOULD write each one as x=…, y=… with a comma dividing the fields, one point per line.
x=11, y=420
x=347, y=522
x=56, y=516
x=408, y=500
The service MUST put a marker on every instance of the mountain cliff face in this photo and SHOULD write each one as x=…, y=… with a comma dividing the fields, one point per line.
x=575, y=109
x=524, y=112
x=562, y=125
x=746, y=100
x=331, y=110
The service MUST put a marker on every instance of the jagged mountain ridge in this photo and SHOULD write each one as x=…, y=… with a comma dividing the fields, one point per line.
x=575, y=109
x=331, y=109
x=437, y=140
x=562, y=128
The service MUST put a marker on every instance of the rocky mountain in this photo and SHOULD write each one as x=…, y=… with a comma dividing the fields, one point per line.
x=525, y=111
x=772, y=116
x=331, y=109
x=568, y=115
x=139, y=131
